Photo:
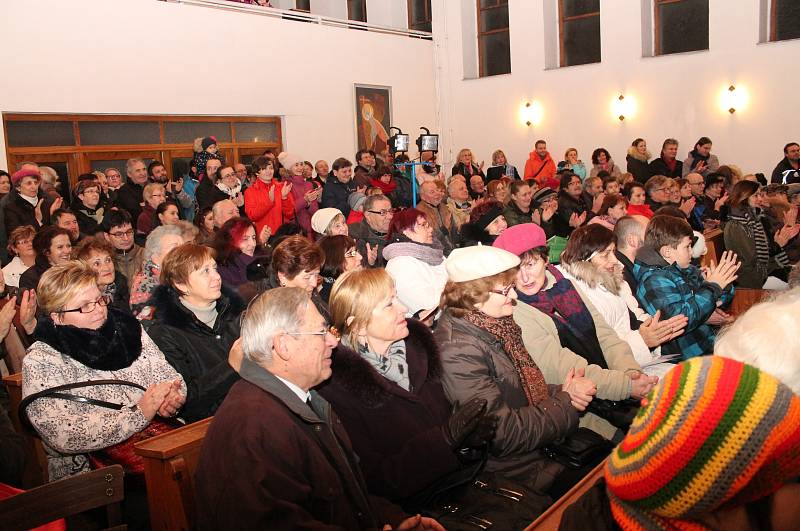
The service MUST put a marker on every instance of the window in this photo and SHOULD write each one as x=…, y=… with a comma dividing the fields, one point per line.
x=419, y=15
x=681, y=26
x=785, y=20
x=303, y=5
x=494, y=46
x=579, y=31
x=78, y=143
x=357, y=10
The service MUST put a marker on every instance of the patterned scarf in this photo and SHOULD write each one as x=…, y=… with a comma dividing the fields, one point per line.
x=392, y=366
x=510, y=336
x=750, y=220
x=562, y=303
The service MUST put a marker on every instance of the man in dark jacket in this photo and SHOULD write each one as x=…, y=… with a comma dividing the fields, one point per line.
x=290, y=464
x=788, y=169
x=667, y=164
x=572, y=210
x=337, y=190
x=370, y=232
x=131, y=195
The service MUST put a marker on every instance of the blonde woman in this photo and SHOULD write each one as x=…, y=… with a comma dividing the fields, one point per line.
x=571, y=162
x=500, y=167
x=465, y=165
x=154, y=194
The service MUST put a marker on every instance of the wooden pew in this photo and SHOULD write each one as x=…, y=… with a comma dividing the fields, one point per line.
x=551, y=518
x=170, y=461
x=715, y=242
x=35, y=472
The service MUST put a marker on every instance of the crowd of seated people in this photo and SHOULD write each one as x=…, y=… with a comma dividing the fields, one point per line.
x=377, y=353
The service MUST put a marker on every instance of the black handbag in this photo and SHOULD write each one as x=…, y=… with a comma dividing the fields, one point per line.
x=580, y=449
x=620, y=413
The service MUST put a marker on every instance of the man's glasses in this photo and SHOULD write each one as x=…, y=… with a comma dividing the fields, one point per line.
x=329, y=329
x=504, y=292
x=385, y=212
x=89, y=307
x=122, y=234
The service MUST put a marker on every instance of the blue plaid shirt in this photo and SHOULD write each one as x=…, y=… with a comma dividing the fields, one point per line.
x=674, y=291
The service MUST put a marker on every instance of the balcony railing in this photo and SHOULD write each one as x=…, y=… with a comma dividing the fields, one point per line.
x=303, y=16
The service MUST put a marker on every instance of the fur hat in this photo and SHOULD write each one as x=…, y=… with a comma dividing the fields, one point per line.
x=17, y=176
x=207, y=142
x=322, y=218
x=478, y=261
x=521, y=238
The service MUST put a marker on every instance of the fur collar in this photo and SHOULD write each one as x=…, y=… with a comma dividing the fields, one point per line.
x=357, y=377
x=171, y=312
x=112, y=347
x=634, y=154
x=593, y=276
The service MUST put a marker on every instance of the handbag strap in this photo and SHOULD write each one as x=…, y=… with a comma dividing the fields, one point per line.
x=55, y=392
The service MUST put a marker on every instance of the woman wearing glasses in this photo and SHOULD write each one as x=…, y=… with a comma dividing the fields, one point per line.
x=341, y=256
x=79, y=338
x=296, y=263
x=415, y=260
x=99, y=255
x=484, y=356
x=386, y=387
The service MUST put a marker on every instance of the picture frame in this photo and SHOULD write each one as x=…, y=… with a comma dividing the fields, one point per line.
x=373, y=114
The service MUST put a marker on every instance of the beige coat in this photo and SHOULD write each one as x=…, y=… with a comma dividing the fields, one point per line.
x=541, y=339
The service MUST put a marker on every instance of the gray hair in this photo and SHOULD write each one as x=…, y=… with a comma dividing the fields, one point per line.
x=189, y=232
x=276, y=310
x=152, y=246
x=369, y=204
x=48, y=175
x=627, y=226
x=753, y=336
x=129, y=164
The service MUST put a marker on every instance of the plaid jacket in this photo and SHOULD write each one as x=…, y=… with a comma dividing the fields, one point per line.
x=676, y=291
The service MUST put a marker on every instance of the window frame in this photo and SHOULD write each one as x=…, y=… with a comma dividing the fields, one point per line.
x=363, y=10
x=562, y=56
x=428, y=18
x=773, y=23
x=657, y=26
x=79, y=156
x=482, y=34
x=302, y=9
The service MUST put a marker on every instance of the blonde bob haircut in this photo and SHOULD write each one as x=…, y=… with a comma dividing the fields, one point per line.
x=61, y=283
x=461, y=297
x=496, y=156
x=181, y=262
x=355, y=294
x=151, y=188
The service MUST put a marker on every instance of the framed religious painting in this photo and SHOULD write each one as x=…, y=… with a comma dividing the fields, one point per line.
x=373, y=117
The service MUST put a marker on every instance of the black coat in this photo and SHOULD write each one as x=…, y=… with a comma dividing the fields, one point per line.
x=659, y=167
x=498, y=172
x=396, y=433
x=785, y=173
x=130, y=197
x=122, y=294
x=30, y=278
x=198, y=353
x=335, y=194
x=86, y=223
x=639, y=168
x=19, y=212
x=567, y=205
x=207, y=194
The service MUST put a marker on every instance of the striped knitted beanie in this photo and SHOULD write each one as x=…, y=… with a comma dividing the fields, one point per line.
x=713, y=432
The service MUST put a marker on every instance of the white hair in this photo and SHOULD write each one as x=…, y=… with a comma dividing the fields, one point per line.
x=765, y=336
x=152, y=246
x=276, y=310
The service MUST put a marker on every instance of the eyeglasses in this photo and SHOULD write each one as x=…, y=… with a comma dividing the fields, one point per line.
x=424, y=225
x=352, y=253
x=385, y=212
x=123, y=234
x=329, y=329
x=89, y=307
x=504, y=292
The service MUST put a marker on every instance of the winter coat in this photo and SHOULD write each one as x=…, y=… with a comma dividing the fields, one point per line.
x=739, y=241
x=568, y=205
x=88, y=222
x=130, y=197
x=30, y=278
x=207, y=193
x=198, y=353
x=543, y=171
x=674, y=291
x=146, y=222
x=637, y=165
x=515, y=216
x=659, y=167
x=611, y=168
x=541, y=339
x=265, y=211
x=335, y=194
x=291, y=464
x=120, y=299
x=462, y=169
x=785, y=173
x=69, y=430
x=303, y=210
x=129, y=262
x=397, y=434
x=498, y=172
x=19, y=212
x=362, y=233
x=712, y=164
x=475, y=365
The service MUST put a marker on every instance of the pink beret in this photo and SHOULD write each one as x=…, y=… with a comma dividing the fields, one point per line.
x=21, y=174
x=521, y=238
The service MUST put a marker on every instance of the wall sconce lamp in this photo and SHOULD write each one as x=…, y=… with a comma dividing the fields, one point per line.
x=623, y=107
x=733, y=98
x=531, y=113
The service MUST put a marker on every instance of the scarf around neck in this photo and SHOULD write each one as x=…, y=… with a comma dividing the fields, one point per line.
x=697, y=156
x=509, y=333
x=751, y=221
x=393, y=366
x=431, y=254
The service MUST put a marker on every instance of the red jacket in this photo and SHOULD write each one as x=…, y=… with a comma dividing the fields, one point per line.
x=543, y=171
x=640, y=210
x=263, y=211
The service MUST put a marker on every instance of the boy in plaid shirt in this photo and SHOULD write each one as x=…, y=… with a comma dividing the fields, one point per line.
x=670, y=283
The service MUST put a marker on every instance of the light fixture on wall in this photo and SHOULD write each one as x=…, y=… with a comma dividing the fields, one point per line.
x=733, y=98
x=623, y=107
x=531, y=113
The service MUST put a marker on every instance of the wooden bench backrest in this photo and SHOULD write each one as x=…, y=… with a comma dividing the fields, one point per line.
x=715, y=242
x=35, y=472
x=170, y=461
x=551, y=518
x=744, y=298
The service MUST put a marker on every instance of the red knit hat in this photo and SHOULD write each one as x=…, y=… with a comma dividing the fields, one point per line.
x=21, y=174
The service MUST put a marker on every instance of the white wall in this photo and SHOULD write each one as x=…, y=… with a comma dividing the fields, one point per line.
x=677, y=94
x=151, y=57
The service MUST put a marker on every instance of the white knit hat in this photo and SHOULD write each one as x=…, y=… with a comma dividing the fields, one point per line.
x=479, y=261
x=288, y=160
x=322, y=218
